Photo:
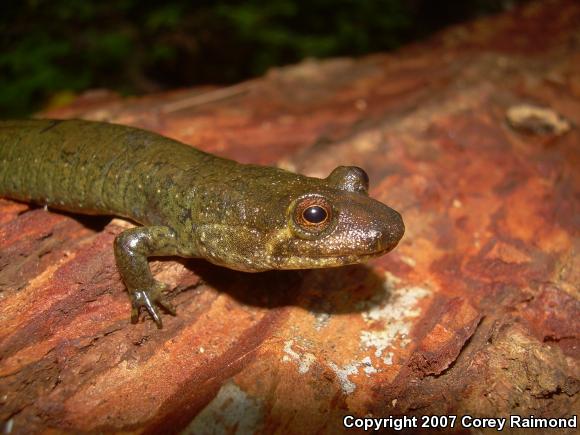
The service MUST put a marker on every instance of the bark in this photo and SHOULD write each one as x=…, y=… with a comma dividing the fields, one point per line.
x=472, y=135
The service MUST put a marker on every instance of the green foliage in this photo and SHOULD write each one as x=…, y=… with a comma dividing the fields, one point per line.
x=49, y=47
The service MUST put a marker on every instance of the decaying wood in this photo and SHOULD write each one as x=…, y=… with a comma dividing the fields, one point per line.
x=476, y=312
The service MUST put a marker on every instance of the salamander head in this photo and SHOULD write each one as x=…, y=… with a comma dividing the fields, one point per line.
x=289, y=221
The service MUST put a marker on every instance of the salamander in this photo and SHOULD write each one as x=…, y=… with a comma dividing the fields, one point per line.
x=192, y=204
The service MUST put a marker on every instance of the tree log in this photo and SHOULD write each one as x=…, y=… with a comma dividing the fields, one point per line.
x=472, y=135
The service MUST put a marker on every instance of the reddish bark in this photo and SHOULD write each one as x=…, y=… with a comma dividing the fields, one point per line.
x=476, y=312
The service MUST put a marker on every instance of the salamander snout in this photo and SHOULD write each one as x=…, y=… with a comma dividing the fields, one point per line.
x=391, y=231
x=372, y=227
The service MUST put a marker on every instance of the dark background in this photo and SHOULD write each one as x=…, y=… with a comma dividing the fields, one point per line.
x=52, y=50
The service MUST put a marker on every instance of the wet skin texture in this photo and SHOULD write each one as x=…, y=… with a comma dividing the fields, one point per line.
x=192, y=204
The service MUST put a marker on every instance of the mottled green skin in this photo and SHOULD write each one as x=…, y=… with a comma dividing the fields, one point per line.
x=191, y=203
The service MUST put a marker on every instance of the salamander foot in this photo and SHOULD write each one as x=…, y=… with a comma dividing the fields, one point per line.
x=151, y=300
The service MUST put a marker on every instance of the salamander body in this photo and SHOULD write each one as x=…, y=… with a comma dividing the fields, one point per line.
x=191, y=203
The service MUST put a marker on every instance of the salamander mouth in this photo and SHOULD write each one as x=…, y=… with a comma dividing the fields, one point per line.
x=372, y=254
x=303, y=262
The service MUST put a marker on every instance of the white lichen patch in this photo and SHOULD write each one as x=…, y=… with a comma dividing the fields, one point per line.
x=321, y=320
x=368, y=367
x=391, y=280
x=304, y=360
x=394, y=310
x=342, y=373
x=232, y=411
x=408, y=261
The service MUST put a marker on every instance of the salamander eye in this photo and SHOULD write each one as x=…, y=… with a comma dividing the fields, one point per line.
x=312, y=213
x=315, y=214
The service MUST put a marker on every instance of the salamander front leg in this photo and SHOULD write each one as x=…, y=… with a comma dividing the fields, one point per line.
x=132, y=247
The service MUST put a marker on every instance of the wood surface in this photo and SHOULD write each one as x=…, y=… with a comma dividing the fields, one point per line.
x=472, y=135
